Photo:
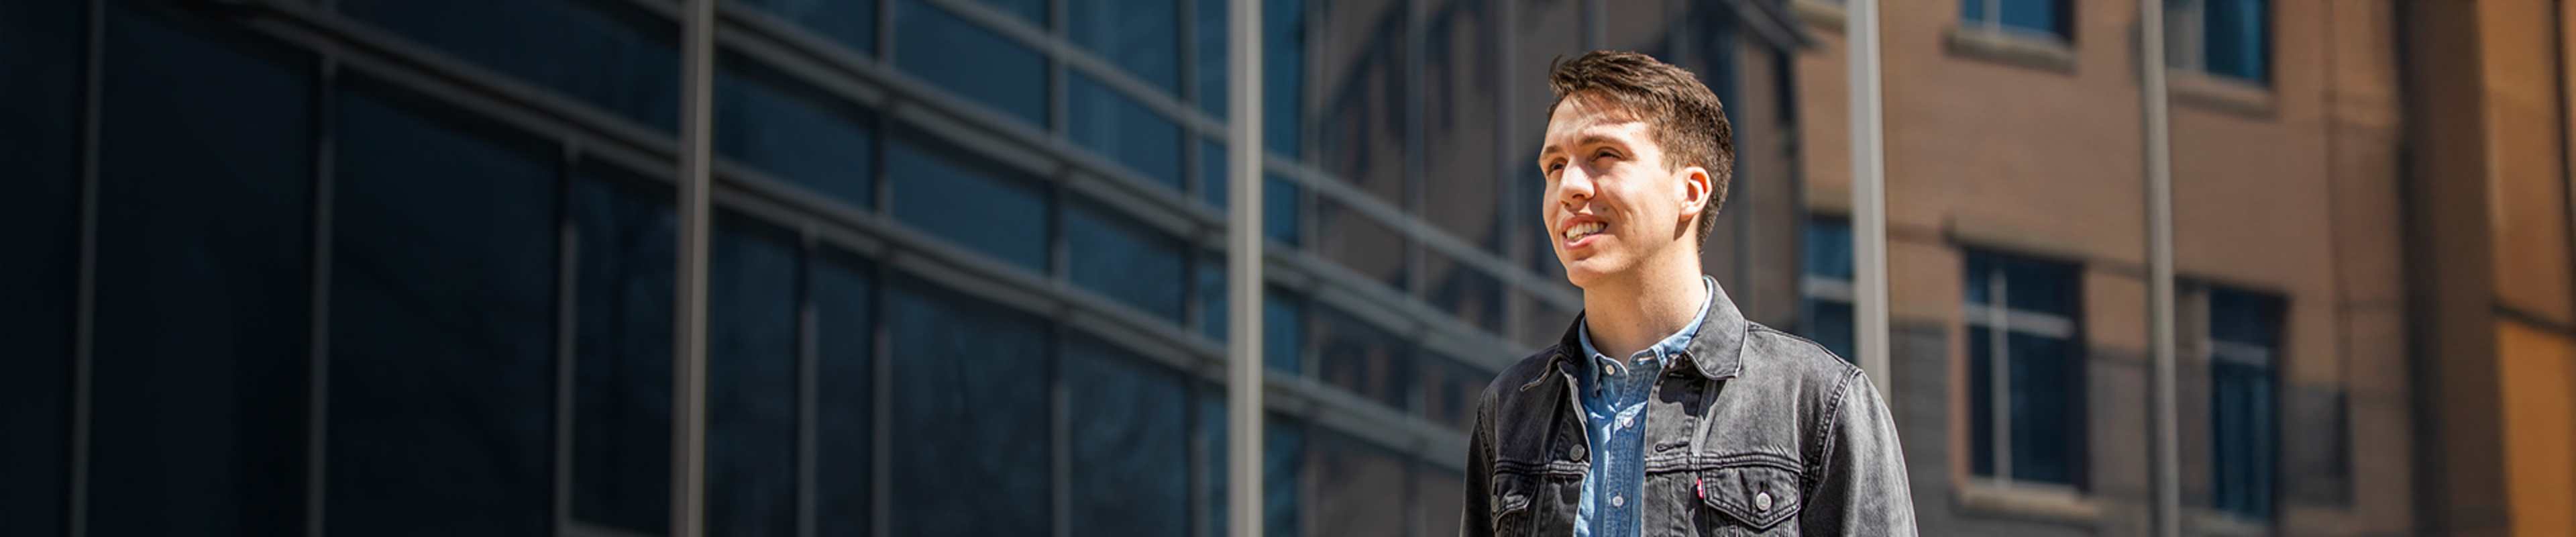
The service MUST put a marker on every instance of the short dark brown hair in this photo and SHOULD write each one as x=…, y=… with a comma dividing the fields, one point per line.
x=1685, y=118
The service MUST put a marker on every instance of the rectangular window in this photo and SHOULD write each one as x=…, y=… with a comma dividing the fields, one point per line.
x=1141, y=38
x=852, y=23
x=751, y=379
x=953, y=194
x=626, y=250
x=1283, y=73
x=1283, y=464
x=1116, y=126
x=2043, y=18
x=976, y=432
x=2244, y=351
x=1449, y=391
x=844, y=294
x=1358, y=356
x=204, y=271
x=628, y=62
x=2025, y=372
x=796, y=133
x=41, y=43
x=1827, y=285
x=1363, y=244
x=2224, y=38
x=1212, y=60
x=936, y=45
x=1126, y=261
x=1359, y=489
x=1130, y=425
x=442, y=336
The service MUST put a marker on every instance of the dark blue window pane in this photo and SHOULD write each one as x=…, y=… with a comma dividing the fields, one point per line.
x=2044, y=16
x=1214, y=182
x=1280, y=219
x=1357, y=356
x=1828, y=245
x=1981, y=401
x=1283, y=463
x=1125, y=261
x=203, y=275
x=1359, y=488
x=1829, y=323
x=2029, y=284
x=2234, y=38
x=968, y=199
x=41, y=43
x=1142, y=38
x=615, y=59
x=844, y=295
x=2243, y=317
x=2047, y=404
x=2244, y=442
x=1113, y=125
x=628, y=237
x=1213, y=302
x=1972, y=10
x=1365, y=109
x=971, y=60
x=1460, y=175
x=1283, y=331
x=975, y=430
x=751, y=381
x=1130, y=427
x=796, y=133
x=442, y=347
x=852, y=23
x=1212, y=58
x=1283, y=75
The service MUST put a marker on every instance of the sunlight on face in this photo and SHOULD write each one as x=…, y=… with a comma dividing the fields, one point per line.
x=1610, y=203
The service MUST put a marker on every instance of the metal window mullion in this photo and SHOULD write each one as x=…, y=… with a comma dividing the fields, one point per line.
x=881, y=402
x=808, y=382
x=1998, y=376
x=567, y=330
x=1244, y=368
x=695, y=172
x=85, y=308
x=1060, y=430
x=318, y=342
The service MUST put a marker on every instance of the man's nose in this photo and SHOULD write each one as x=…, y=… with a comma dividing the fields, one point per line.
x=1573, y=186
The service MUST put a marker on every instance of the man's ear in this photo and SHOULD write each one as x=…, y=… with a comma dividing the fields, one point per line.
x=1696, y=191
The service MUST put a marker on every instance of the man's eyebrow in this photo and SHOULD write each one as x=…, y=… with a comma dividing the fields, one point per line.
x=1587, y=139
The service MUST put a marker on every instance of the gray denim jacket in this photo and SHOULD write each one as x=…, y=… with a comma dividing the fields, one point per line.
x=1752, y=431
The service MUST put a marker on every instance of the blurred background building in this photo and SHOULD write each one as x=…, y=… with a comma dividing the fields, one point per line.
x=384, y=267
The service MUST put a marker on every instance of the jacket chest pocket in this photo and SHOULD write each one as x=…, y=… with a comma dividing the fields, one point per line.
x=1748, y=500
x=1511, y=504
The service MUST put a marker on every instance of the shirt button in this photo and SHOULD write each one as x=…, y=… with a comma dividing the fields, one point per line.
x=1762, y=501
x=1616, y=501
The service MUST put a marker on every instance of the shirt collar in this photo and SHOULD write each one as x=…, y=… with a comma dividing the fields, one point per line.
x=1661, y=352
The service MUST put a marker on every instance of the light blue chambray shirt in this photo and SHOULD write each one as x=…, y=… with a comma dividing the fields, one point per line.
x=1613, y=394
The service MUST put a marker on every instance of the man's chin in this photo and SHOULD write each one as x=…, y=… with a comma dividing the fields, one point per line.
x=1584, y=272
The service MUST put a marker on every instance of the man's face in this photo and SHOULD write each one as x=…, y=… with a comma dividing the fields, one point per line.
x=1610, y=201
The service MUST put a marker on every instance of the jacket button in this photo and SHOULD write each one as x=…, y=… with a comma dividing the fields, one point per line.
x=1762, y=501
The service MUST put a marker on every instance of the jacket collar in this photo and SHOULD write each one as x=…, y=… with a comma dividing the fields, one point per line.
x=1716, y=352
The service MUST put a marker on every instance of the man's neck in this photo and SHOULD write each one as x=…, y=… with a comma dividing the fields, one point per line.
x=1626, y=315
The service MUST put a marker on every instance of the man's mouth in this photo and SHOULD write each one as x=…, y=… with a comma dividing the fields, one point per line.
x=1582, y=230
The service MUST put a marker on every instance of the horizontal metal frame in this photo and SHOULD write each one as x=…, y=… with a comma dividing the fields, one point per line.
x=1558, y=295
x=363, y=51
x=2240, y=353
x=1825, y=288
x=2022, y=321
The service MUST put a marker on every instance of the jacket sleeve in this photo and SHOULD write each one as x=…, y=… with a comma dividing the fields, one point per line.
x=1475, y=518
x=1863, y=490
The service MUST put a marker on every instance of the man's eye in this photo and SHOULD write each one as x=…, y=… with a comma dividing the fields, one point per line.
x=1553, y=167
x=1604, y=154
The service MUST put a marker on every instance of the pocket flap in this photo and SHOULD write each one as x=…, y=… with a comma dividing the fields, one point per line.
x=1757, y=496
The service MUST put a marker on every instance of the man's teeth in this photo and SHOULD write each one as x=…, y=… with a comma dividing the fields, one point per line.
x=1579, y=230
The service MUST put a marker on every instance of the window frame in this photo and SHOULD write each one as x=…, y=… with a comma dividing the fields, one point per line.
x=2001, y=320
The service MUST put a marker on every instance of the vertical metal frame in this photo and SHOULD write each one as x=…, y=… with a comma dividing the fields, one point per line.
x=567, y=331
x=1244, y=243
x=85, y=315
x=326, y=113
x=689, y=412
x=808, y=381
x=1869, y=195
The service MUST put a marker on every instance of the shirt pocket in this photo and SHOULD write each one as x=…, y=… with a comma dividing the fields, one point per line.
x=1749, y=500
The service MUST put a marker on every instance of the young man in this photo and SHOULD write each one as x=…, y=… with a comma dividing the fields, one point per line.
x=1662, y=411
